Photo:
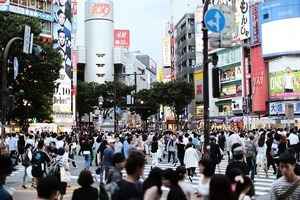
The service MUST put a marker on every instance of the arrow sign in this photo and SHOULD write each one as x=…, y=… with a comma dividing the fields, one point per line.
x=214, y=20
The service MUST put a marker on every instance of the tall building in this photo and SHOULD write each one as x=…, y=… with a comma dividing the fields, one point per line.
x=185, y=53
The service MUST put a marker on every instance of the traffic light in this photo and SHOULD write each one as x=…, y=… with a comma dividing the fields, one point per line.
x=215, y=82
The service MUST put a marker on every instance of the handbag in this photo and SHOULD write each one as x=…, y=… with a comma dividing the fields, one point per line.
x=290, y=191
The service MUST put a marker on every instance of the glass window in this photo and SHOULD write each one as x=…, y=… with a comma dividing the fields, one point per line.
x=15, y=1
x=24, y=2
x=46, y=27
x=32, y=3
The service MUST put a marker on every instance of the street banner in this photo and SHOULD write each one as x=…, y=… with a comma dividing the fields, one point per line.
x=121, y=38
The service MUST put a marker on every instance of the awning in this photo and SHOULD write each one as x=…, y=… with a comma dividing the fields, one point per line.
x=223, y=102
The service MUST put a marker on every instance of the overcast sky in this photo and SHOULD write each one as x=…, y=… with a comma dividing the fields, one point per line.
x=145, y=19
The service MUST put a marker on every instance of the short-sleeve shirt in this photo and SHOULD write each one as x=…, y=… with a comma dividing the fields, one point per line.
x=280, y=186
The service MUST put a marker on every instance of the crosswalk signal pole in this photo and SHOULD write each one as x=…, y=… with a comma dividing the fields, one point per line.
x=205, y=75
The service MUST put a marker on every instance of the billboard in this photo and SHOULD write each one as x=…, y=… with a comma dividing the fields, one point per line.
x=198, y=35
x=285, y=82
x=259, y=80
x=198, y=84
x=121, y=38
x=279, y=108
x=167, y=51
x=282, y=19
x=62, y=41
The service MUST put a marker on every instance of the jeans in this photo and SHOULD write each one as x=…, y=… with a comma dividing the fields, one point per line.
x=191, y=171
x=251, y=167
x=87, y=161
x=25, y=175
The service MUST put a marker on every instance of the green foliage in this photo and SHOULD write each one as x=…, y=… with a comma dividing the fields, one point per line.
x=88, y=94
x=175, y=94
x=34, y=86
x=146, y=103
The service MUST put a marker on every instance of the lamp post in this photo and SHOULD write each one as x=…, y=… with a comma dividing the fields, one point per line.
x=205, y=74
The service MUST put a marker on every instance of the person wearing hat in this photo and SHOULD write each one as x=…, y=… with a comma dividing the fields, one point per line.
x=5, y=170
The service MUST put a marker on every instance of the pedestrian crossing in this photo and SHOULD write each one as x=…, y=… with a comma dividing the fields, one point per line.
x=262, y=183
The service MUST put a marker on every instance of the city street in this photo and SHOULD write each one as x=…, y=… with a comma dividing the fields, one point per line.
x=262, y=184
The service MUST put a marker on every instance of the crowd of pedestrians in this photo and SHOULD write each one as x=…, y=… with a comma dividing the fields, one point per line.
x=120, y=160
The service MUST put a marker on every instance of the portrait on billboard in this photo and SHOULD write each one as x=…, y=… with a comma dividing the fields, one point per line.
x=285, y=83
x=62, y=33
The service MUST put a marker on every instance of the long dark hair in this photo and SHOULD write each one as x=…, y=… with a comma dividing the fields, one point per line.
x=154, y=179
x=220, y=188
x=261, y=140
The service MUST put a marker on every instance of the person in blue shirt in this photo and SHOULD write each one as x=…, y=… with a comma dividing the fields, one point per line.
x=5, y=169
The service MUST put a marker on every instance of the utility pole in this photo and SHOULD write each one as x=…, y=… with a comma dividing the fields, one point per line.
x=205, y=74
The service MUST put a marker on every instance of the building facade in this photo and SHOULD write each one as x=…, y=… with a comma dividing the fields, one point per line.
x=185, y=53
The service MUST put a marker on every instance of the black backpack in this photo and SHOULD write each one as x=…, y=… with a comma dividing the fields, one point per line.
x=36, y=162
x=154, y=147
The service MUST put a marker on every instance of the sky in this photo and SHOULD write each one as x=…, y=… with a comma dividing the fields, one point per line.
x=146, y=21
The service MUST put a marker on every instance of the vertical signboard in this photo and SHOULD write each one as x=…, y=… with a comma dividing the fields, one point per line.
x=63, y=43
x=167, y=51
x=198, y=35
x=121, y=38
x=198, y=83
x=255, y=25
x=259, y=81
x=244, y=22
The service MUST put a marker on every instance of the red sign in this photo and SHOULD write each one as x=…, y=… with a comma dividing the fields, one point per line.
x=259, y=81
x=2, y=1
x=100, y=9
x=122, y=38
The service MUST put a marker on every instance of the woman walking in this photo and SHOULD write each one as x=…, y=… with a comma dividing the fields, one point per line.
x=191, y=159
x=261, y=159
x=26, y=162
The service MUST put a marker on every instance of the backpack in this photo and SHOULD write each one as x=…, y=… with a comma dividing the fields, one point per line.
x=250, y=150
x=37, y=170
x=154, y=147
x=25, y=159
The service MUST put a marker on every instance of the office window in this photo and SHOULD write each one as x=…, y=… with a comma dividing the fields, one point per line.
x=24, y=2
x=32, y=4
x=14, y=1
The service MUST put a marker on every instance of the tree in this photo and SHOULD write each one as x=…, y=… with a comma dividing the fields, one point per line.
x=86, y=98
x=175, y=94
x=33, y=89
x=146, y=104
x=88, y=94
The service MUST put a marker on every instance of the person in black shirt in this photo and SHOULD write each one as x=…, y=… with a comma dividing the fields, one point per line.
x=86, y=191
x=170, y=180
x=5, y=170
x=131, y=188
x=180, y=150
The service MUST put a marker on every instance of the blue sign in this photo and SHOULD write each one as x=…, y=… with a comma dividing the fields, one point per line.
x=214, y=20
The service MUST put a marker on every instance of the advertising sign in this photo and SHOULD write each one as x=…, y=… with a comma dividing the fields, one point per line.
x=244, y=24
x=121, y=38
x=259, y=81
x=198, y=35
x=284, y=78
x=98, y=10
x=62, y=41
x=285, y=82
x=167, y=51
x=255, y=25
x=284, y=108
x=198, y=83
x=30, y=12
x=282, y=19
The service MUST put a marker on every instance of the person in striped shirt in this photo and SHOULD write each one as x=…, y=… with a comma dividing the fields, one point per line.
x=288, y=186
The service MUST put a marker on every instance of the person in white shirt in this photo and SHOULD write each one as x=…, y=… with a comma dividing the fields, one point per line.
x=293, y=139
x=187, y=188
x=118, y=146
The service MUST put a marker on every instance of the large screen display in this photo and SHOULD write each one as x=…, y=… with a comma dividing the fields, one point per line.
x=281, y=37
x=284, y=82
